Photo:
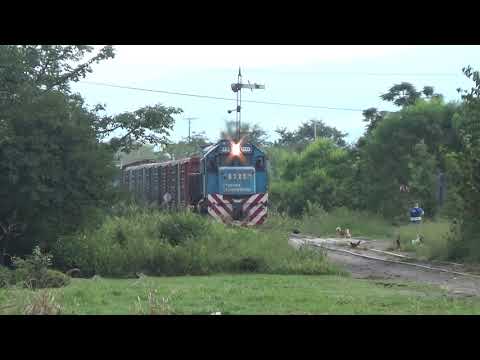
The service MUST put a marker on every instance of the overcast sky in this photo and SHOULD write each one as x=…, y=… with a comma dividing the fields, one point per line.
x=343, y=76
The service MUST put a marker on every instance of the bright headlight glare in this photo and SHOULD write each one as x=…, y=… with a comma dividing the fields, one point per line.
x=236, y=149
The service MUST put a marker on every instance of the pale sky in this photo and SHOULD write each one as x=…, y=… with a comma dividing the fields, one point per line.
x=332, y=76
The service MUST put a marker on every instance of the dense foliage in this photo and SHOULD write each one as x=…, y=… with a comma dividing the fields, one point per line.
x=317, y=175
x=55, y=172
x=465, y=240
x=248, y=132
x=156, y=243
x=299, y=139
x=412, y=148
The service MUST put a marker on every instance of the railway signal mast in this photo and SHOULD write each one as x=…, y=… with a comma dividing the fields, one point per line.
x=237, y=88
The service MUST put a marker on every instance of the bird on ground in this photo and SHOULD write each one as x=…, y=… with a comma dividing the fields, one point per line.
x=398, y=241
x=354, y=245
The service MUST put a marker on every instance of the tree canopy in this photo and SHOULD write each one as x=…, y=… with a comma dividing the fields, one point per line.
x=305, y=134
x=56, y=169
x=252, y=133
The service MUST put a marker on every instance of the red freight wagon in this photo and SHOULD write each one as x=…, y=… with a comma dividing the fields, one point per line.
x=172, y=184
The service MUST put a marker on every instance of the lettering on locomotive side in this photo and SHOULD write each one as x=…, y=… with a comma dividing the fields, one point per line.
x=236, y=189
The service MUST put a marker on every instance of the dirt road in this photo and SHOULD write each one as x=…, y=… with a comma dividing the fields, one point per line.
x=371, y=260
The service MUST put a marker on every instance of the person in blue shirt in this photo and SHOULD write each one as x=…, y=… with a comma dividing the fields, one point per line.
x=416, y=214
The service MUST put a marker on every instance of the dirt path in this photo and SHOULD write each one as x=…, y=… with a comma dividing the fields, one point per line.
x=380, y=265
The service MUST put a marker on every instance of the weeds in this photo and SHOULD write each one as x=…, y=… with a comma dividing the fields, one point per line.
x=435, y=239
x=43, y=303
x=155, y=305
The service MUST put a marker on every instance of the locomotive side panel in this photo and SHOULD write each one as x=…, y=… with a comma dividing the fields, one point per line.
x=193, y=180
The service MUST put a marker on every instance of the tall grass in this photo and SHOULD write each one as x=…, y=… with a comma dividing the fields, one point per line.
x=318, y=222
x=435, y=236
x=157, y=243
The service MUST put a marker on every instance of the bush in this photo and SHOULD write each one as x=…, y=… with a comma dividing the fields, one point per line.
x=464, y=241
x=54, y=279
x=250, y=264
x=33, y=271
x=159, y=243
x=6, y=277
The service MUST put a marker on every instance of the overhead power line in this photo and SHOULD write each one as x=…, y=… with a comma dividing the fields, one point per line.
x=220, y=98
x=389, y=74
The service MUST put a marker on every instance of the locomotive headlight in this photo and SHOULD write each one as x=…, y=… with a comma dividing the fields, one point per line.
x=236, y=151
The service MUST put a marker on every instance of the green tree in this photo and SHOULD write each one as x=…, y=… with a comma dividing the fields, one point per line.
x=251, y=133
x=44, y=68
x=423, y=171
x=390, y=156
x=466, y=243
x=305, y=134
x=147, y=125
x=402, y=94
x=276, y=159
x=317, y=175
x=373, y=117
x=54, y=170
x=186, y=147
x=405, y=94
x=144, y=152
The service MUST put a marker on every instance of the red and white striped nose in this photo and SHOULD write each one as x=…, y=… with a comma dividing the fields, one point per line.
x=255, y=209
x=249, y=211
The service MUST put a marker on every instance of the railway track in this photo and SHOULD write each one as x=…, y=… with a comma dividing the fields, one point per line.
x=372, y=260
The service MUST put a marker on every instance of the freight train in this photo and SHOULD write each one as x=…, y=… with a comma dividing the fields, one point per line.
x=227, y=181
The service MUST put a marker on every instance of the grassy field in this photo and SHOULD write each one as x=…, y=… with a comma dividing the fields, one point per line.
x=239, y=294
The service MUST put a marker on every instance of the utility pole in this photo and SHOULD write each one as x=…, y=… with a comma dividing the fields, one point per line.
x=189, y=125
x=237, y=88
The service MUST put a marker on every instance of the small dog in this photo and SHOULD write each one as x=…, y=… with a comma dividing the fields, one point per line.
x=345, y=233
x=418, y=240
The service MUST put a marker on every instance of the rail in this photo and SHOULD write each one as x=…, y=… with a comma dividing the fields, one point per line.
x=308, y=242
